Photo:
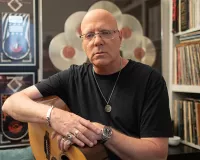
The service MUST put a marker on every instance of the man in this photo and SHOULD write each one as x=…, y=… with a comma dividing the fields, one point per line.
x=118, y=101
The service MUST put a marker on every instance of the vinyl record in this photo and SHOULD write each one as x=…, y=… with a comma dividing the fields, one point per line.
x=11, y=128
x=145, y=52
x=129, y=23
x=63, y=55
x=128, y=45
x=132, y=32
x=72, y=29
x=109, y=6
x=16, y=47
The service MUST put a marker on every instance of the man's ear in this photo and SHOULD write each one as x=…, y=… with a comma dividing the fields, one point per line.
x=120, y=35
x=83, y=47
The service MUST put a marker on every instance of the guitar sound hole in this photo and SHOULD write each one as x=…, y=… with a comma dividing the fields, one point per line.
x=64, y=157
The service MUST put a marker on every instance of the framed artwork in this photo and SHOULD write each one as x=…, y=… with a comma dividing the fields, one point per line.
x=13, y=133
x=18, y=37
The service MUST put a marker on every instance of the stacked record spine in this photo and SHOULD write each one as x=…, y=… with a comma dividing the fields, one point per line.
x=186, y=63
x=186, y=15
x=187, y=119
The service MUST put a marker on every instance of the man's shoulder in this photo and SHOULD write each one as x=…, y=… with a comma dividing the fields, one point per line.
x=140, y=67
x=78, y=69
x=143, y=70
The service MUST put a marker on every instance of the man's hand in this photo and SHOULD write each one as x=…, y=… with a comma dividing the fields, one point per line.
x=98, y=125
x=73, y=129
x=63, y=144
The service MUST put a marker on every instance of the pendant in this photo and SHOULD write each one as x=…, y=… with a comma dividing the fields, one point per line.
x=108, y=108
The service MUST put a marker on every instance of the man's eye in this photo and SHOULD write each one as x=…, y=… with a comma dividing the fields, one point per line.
x=89, y=35
x=106, y=32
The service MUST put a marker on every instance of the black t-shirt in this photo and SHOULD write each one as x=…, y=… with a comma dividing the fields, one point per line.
x=140, y=105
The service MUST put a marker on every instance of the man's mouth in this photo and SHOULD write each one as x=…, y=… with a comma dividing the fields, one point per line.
x=99, y=52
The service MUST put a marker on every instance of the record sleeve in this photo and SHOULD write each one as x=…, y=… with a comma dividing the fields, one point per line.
x=13, y=133
x=17, y=38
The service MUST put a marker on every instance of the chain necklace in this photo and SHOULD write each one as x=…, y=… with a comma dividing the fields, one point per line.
x=108, y=107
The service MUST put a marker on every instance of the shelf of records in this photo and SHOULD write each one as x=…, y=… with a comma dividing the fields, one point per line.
x=186, y=116
x=185, y=16
x=186, y=66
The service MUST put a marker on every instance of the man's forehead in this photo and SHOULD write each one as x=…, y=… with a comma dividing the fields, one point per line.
x=98, y=17
x=98, y=26
x=94, y=27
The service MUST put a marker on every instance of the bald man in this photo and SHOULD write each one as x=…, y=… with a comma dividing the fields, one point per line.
x=121, y=103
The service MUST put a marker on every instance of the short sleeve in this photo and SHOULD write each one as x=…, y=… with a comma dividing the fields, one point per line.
x=155, y=116
x=54, y=85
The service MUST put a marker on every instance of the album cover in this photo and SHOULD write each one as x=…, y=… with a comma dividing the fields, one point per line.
x=17, y=27
x=13, y=133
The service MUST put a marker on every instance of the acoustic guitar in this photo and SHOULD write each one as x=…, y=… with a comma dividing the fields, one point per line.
x=45, y=148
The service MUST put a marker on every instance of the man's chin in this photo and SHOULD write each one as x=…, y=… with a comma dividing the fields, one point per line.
x=100, y=62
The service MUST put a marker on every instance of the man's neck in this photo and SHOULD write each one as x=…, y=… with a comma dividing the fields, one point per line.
x=111, y=68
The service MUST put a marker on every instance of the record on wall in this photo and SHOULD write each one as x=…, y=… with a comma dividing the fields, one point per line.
x=11, y=128
x=72, y=29
x=145, y=52
x=63, y=55
x=129, y=23
x=131, y=31
x=13, y=133
x=109, y=6
x=18, y=37
x=149, y=55
x=128, y=45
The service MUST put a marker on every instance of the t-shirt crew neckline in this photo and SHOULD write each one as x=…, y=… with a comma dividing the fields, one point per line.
x=100, y=75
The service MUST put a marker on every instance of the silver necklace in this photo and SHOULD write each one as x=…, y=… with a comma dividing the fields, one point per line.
x=108, y=107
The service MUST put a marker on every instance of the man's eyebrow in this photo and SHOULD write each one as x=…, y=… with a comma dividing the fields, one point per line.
x=88, y=31
x=98, y=30
x=104, y=29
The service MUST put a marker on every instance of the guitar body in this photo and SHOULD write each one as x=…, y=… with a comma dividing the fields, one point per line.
x=43, y=147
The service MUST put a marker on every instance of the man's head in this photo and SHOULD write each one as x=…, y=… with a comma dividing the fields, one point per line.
x=104, y=48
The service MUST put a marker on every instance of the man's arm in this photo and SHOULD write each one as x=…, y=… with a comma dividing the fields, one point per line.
x=21, y=106
x=129, y=148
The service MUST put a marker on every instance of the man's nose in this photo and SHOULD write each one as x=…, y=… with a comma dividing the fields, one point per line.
x=98, y=40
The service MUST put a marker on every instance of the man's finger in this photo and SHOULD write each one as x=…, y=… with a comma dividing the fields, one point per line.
x=90, y=126
x=53, y=134
x=67, y=144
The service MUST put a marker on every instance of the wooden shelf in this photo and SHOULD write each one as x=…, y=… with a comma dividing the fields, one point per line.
x=186, y=88
x=176, y=91
x=187, y=31
x=191, y=144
